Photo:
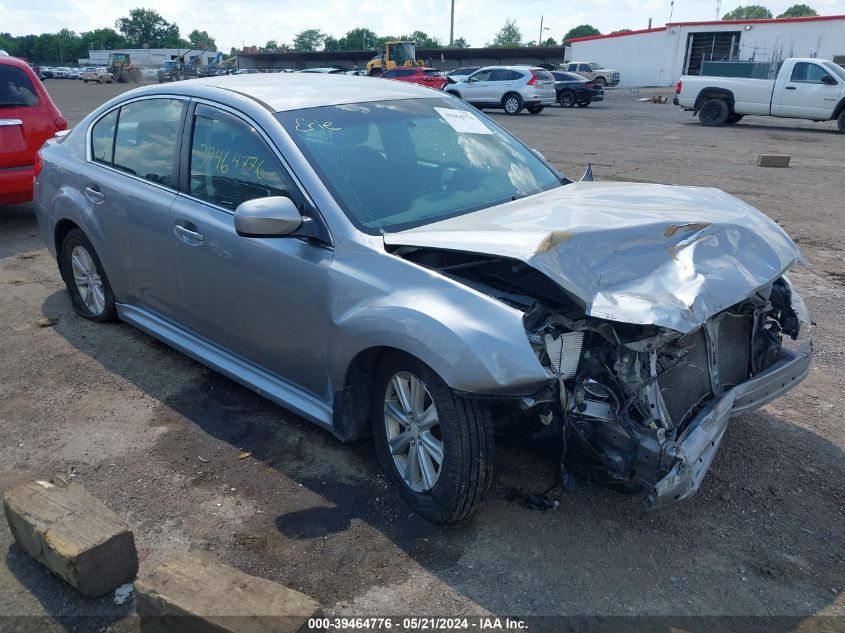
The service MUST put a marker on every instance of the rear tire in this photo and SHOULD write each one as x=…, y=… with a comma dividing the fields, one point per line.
x=85, y=278
x=462, y=434
x=714, y=112
x=841, y=121
x=535, y=109
x=512, y=103
x=567, y=99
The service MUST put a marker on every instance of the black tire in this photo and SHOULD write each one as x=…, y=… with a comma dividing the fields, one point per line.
x=567, y=99
x=841, y=121
x=734, y=118
x=85, y=80
x=535, y=109
x=583, y=104
x=601, y=81
x=467, y=434
x=512, y=103
x=714, y=112
x=73, y=239
x=375, y=72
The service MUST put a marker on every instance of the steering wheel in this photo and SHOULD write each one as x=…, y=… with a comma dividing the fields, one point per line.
x=448, y=173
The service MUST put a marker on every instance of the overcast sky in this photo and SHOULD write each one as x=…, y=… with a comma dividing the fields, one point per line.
x=233, y=22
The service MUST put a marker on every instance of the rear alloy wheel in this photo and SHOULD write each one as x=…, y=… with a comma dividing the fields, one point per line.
x=86, y=281
x=841, y=121
x=714, y=112
x=535, y=109
x=512, y=103
x=436, y=446
x=567, y=99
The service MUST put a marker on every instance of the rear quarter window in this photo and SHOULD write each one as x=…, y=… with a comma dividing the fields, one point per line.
x=16, y=88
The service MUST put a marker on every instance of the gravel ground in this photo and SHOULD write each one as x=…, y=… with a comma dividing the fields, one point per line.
x=157, y=437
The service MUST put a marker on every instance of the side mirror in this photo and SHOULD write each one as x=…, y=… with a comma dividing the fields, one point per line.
x=829, y=80
x=275, y=216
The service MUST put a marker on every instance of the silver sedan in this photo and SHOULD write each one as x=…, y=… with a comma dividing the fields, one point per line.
x=385, y=260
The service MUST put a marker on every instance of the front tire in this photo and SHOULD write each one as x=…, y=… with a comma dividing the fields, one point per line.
x=602, y=81
x=512, y=103
x=714, y=112
x=85, y=278
x=841, y=121
x=436, y=446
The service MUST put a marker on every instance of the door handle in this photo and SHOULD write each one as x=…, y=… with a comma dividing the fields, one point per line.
x=93, y=193
x=188, y=233
x=791, y=88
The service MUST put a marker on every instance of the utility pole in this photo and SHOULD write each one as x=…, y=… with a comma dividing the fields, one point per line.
x=452, y=26
x=540, y=39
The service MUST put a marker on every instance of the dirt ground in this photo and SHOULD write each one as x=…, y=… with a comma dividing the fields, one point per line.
x=157, y=437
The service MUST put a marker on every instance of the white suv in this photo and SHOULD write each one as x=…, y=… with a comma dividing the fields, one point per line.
x=510, y=87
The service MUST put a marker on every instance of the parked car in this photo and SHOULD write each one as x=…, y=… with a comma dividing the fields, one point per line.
x=462, y=72
x=430, y=77
x=572, y=90
x=803, y=89
x=100, y=75
x=246, y=71
x=509, y=87
x=323, y=71
x=61, y=72
x=46, y=72
x=28, y=117
x=357, y=73
x=74, y=73
x=594, y=72
x=385, y=260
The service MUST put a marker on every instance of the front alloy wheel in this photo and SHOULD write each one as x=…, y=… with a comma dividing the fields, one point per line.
x=413, y=431
x=436, y=446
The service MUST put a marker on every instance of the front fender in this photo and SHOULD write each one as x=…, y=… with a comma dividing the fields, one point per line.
x=475, y=343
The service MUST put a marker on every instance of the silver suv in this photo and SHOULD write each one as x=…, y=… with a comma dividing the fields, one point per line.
x=510, y=87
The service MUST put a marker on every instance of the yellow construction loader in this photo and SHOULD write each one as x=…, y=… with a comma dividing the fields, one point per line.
x=395, y=54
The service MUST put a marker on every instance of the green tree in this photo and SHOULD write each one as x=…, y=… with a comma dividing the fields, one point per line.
x=549, y=42
x=330, y=44
x=308, y=40
x=423, y=40
x=146, y=26
x=620, y=31
x=271, y=45
x=509, y=36
x=798, y=11
x=201, y=39
x=459, y=42
x=103, y=39
x=749, y=12
x=583, y=30
x=359, y=39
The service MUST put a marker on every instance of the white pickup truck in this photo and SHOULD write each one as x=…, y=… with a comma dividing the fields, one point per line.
x=803, y=89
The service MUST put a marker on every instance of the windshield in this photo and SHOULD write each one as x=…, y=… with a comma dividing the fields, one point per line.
x=393, y=165
x=836, y=68
x=595, y=66
x=401, y=53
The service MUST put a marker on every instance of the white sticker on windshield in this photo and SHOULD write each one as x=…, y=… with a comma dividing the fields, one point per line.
x=463, y=121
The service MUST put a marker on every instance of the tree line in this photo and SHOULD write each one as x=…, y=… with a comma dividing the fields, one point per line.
x=146, y=27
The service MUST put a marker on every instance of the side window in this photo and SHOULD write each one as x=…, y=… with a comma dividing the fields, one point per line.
x=572, y=68
x=390, y=73
x=499, y=74
x=807, y=72
x=145, y=143
x=16, y=89
x=799, y=71
x=514, y=75
x=102, y=138
x=231, y=163
x=481, y=75
x=432, y=73
x=585, y=68
x=404, y=73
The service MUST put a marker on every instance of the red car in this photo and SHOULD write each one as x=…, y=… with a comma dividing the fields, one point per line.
x=430, y=77
x=28, y=117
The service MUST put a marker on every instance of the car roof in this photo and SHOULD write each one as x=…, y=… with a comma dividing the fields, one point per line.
x=292, y=91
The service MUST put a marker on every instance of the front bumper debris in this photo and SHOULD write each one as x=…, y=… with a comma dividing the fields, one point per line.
x=693, y=453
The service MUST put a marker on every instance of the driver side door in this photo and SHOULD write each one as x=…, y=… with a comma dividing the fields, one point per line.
x=476, y=89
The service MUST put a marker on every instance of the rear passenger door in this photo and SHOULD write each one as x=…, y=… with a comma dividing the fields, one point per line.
x=501, y=81
x=261, y=299
x=129, y=184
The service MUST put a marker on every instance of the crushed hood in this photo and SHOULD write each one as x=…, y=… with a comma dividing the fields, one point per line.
x=634, y=253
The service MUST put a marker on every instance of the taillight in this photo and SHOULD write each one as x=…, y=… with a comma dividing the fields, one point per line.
x=533, y=79
x=678, y=87
x=60, y=122
x=39, y=164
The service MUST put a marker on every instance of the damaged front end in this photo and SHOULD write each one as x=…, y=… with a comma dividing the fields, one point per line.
x=641, y=407
x=650, y=405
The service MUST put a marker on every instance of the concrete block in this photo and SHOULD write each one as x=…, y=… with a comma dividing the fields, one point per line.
x=773, y=160
x=192, y=592
x=74, y=535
